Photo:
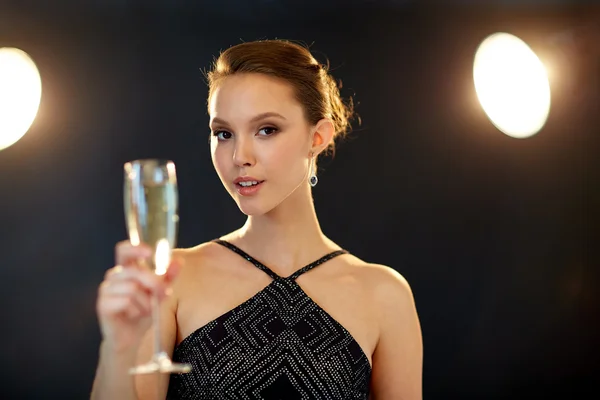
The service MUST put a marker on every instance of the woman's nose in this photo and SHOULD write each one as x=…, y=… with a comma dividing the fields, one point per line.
x=243, y=154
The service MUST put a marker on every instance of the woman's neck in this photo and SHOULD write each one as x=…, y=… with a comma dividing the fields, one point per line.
x=288, y=237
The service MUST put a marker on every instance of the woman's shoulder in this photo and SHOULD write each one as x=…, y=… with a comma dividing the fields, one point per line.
x=197, y=250
x=199, y=254
x=198, y=265
x=384, y=282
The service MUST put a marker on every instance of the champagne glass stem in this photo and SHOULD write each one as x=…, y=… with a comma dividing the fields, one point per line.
x=158, y=353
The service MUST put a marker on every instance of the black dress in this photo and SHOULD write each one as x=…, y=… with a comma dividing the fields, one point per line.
x=279, y=344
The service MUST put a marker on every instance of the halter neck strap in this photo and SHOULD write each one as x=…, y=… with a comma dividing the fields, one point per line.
x=272, y=274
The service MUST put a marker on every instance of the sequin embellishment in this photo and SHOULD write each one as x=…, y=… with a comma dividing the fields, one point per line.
x=279, y=344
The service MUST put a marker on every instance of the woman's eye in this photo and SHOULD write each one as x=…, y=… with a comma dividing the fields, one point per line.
x=267, y=131
x=222, y=135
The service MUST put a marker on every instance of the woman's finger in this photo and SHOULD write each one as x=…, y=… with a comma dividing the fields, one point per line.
x=127, y=254
x=145, y=278
x=122, y=304
x=173, y=270
x=139, y=296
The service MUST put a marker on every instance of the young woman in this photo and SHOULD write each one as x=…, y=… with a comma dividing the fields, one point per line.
x=275, y=309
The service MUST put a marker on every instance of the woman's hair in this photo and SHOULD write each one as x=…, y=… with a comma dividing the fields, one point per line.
x=314, y=88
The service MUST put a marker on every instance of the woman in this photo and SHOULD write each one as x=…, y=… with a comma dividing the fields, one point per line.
x=307, y=321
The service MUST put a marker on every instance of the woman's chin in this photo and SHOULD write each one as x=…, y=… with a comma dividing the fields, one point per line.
x=250, y=209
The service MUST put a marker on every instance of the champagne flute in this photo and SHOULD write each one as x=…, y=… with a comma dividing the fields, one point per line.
x=151, y=214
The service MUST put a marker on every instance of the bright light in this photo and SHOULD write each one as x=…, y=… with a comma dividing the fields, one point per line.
x=20, y=94
x=512, y=85
x=162, y=257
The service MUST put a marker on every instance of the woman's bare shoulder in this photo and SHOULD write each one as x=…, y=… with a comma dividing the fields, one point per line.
x=200, y=259
x=381, y=279
x=201, y=251
x=204, y=252
x=197, y=264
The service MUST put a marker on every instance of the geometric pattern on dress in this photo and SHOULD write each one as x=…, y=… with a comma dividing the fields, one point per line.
x=279, y=344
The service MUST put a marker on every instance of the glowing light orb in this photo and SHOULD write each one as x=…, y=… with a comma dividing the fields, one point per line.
x=20, y=94
x=512, y=85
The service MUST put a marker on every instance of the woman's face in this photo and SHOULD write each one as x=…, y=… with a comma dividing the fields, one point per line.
x=260, y=141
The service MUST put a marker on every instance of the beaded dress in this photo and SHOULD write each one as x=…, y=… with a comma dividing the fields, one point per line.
x=279, y=344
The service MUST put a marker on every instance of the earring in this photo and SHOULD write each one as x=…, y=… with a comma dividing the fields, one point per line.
x=312, y=175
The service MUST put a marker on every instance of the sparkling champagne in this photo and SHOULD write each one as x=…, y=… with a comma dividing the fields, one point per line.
x=151, y=215
x=151, y=212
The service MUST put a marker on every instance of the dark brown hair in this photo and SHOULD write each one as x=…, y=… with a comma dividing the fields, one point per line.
x=314, y=87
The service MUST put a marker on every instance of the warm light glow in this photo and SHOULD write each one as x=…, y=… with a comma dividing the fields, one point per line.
x=162, y=257
x=512, y=85
x=20, y=94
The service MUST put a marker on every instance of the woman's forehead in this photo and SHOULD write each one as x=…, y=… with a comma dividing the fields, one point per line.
x=253, y=94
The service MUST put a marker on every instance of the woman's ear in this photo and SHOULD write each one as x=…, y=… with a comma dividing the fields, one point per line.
x=322, y=137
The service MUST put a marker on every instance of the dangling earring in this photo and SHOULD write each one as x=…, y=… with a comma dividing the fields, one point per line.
x=312, y=174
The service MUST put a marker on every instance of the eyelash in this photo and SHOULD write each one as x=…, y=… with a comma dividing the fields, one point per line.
x=274, y=129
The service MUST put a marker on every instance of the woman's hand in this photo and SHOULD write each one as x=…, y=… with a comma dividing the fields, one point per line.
x=124, y=304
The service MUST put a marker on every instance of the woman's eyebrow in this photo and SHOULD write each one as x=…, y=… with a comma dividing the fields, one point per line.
x=256, y=118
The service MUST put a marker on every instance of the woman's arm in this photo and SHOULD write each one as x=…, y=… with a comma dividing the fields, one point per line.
x=124, y=311
x=398, y=357
x=113, y=380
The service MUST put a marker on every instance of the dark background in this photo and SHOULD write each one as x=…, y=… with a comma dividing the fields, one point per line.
x=494, y=234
